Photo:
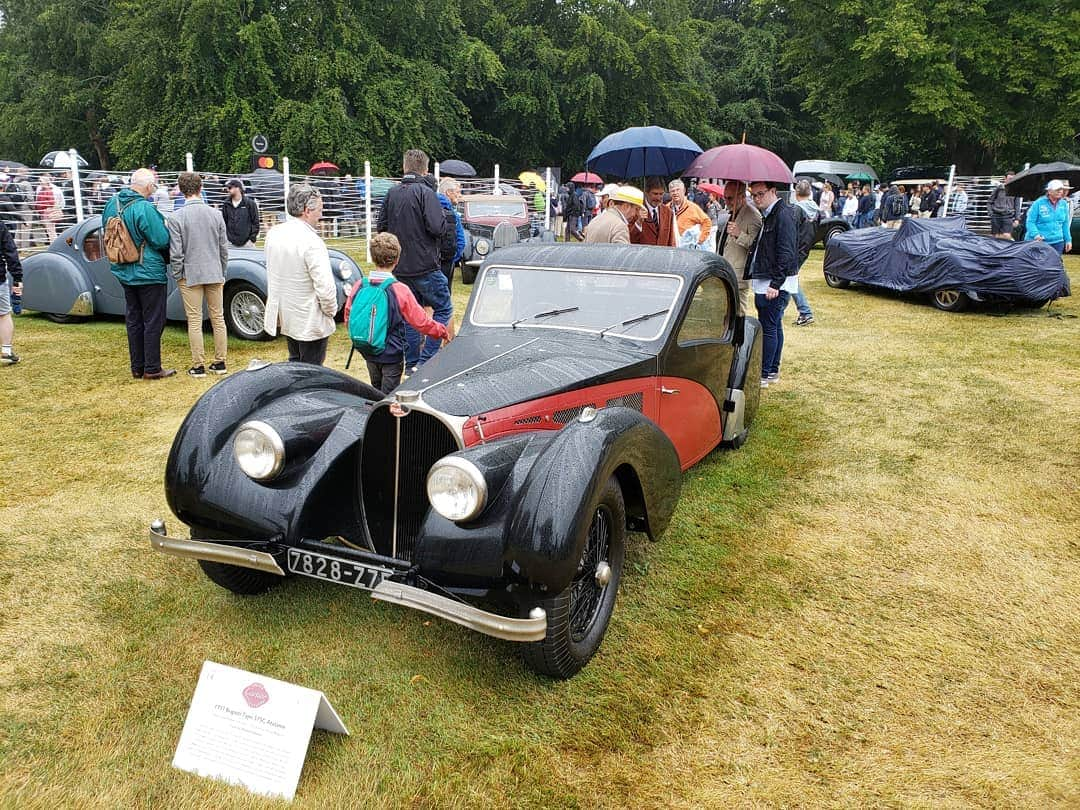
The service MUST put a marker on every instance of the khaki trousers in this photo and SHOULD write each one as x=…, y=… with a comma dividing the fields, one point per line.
x=746, y=296
x=193, y=308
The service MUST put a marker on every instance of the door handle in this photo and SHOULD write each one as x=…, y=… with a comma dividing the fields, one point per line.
x=664, y=390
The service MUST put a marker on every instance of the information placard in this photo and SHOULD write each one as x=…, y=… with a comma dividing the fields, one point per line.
x=251, y=730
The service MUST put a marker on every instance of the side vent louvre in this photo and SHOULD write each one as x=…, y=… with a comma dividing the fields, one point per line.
x=567, y=415
x=633, y=401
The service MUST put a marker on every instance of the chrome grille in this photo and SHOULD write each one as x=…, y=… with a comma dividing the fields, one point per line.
x=389, y=461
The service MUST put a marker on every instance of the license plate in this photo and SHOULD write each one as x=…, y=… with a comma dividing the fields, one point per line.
x=332, y=569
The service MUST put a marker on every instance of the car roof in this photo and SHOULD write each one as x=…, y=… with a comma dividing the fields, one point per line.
x=690, y=264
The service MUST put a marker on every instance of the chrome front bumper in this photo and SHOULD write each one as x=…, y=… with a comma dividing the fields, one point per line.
x=533, y=628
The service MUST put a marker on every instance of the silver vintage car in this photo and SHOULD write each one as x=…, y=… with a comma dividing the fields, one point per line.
x=71, y=281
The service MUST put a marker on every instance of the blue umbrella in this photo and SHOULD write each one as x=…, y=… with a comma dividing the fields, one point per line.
x=642, y=151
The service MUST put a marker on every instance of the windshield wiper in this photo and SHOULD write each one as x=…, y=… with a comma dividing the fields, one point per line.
x=635, y=319
x=549, y=314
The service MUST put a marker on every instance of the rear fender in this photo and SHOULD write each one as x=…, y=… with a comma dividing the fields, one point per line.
x=54, y=283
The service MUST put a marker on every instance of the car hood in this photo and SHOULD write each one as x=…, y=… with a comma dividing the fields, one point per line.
x=495, y=368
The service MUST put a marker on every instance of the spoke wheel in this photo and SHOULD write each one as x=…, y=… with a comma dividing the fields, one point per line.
x=245, y=308
x=950, y=300
x=578, y=617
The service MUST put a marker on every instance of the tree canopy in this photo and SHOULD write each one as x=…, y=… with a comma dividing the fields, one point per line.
x=529, y=82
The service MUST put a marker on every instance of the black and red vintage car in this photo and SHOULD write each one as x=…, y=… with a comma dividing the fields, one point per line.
x=496, y=486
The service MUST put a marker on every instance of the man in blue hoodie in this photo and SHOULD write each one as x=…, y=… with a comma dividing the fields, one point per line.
x=144, y=280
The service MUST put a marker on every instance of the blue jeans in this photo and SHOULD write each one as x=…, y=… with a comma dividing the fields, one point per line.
x=802, y=304
x=771, y=314
x=431, y=290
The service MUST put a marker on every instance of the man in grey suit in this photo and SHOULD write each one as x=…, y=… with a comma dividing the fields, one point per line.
x=199, y=254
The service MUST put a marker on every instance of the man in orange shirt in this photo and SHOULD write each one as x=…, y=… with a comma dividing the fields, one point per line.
x=691, y=223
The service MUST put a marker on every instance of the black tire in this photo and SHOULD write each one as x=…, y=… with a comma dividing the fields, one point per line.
x=244, y=581
x=578, y=617
x=836, y=282
x=244, y=307
x=950, y=300
x=58, y=318
x=468, y=273
x=833, y=231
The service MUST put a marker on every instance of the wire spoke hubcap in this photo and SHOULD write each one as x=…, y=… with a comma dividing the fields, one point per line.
x=247, y=311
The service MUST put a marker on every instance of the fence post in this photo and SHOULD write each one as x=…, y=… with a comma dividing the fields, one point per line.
x=367, y=210
x=497, y=189
x=189, y=162
x=285, y=185
x=547, y=199
x=76, y=187
x=948, y=191
x=437, y=178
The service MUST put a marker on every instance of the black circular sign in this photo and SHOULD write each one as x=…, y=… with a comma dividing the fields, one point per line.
x=260, y=143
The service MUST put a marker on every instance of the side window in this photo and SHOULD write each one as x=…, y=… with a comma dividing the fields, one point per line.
x=92, y=247
x=709, y=315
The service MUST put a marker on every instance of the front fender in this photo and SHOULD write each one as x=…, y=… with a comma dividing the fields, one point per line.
x=554, y=508
x=319, y=413
x=54, y=283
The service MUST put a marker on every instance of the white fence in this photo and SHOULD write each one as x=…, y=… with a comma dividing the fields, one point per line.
x=40, y=204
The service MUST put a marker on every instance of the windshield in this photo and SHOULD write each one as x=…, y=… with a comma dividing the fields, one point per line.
x=633, y=305
x=496, y=208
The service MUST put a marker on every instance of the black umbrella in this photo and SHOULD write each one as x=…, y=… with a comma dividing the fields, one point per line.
x=1031, y=183
x=62, y=160
x=457, y=168
x=12, y=164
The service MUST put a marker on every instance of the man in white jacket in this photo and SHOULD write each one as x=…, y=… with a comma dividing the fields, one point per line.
x=301, y=297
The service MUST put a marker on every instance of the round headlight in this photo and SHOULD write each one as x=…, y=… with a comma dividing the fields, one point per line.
x=344, y=271
x=259, y=450
x=456, y=488
x=483, y=246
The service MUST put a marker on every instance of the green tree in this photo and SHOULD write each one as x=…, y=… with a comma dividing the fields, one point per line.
x=53, y=76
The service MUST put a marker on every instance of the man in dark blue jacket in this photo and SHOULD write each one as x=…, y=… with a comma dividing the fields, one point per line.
x=10, y=282
x=774, y=269
x=412, y=213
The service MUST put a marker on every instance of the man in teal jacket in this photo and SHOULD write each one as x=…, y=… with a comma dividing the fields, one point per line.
x=144, y=281
x=1050, y=217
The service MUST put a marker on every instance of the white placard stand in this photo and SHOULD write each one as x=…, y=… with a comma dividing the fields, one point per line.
x=250, y=730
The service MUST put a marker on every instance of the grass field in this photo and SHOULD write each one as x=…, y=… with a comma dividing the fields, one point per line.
x=876, y=602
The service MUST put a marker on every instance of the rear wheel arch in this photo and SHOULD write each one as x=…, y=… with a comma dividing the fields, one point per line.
x=637, y=512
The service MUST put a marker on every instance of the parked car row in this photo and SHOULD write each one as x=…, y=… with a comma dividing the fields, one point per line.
x=71, y=281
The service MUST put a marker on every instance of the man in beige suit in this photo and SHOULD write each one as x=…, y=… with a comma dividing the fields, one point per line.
x=613, y=224
x=743, y=226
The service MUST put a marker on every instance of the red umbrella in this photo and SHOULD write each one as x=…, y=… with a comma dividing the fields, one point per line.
x=712, y=188
x=740, y=161
x=324, y=167
x=587, y=178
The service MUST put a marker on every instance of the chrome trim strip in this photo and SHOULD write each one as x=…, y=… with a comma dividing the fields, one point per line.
x=533, y=628
x=733, y=425
x=214, y=552
x=481, y=364
x=397, y=481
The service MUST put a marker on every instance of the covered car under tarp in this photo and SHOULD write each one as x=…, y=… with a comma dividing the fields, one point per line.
x=928, y=255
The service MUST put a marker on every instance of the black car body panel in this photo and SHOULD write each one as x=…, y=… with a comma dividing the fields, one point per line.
x=547, y=414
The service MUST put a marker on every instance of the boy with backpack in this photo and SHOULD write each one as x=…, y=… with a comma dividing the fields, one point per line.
x=376, y=316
